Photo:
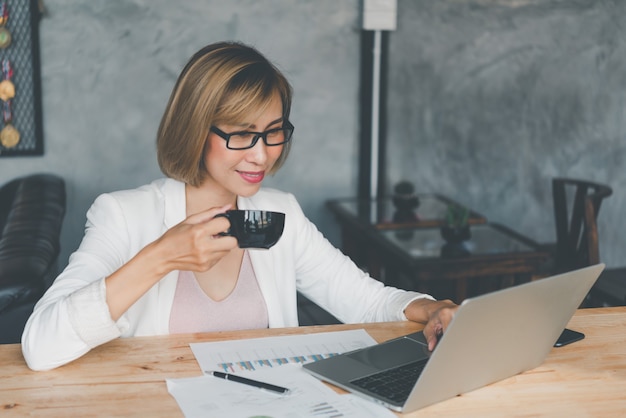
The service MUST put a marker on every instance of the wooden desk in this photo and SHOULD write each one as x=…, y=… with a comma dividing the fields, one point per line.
x=126, y=377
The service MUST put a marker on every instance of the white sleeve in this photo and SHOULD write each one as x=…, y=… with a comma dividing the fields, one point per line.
x=73, y=317
x=333, y=281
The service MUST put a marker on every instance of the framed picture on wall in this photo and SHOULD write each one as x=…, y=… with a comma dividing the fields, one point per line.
x=21, y=131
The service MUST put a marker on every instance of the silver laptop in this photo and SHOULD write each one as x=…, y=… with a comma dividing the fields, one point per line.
x=490, y=338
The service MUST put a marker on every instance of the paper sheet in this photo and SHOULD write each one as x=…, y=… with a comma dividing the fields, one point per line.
x=266, y=353
x=208, y=396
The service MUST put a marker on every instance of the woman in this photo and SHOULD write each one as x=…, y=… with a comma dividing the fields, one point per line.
x=153, y=261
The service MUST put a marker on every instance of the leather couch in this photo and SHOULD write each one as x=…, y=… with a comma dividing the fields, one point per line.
x=32, y=209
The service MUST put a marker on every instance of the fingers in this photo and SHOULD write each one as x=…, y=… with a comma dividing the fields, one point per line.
x=195, y=243
x=212, y=225
x=432, y=332
x=197, y=250
x=207, y=236
x=207, y=215
x=438, y=323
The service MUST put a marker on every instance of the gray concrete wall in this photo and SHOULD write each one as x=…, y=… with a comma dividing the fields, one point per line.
x=108, y=67
x=487, y=101
x=490, y=99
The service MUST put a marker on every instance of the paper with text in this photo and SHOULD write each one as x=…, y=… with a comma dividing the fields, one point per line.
x=270, y=352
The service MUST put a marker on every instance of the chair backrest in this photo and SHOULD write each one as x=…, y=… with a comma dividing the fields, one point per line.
x=576, y=207
x=32, y=209
x=31, y=228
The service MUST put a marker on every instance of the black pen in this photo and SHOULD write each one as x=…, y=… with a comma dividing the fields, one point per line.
x=250, y=382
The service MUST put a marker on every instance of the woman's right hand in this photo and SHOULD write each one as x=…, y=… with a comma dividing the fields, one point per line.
x=195, y=243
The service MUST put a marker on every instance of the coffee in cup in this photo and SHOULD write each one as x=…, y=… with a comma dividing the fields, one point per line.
x=254, y=228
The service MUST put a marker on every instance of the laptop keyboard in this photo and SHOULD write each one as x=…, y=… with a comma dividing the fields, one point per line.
x=394, y=384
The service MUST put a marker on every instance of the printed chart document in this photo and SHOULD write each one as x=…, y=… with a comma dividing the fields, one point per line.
x=208, y=396
x=257, y=354
x=274, y=360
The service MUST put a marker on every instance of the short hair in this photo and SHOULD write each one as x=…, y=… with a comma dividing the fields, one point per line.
x=223, y=83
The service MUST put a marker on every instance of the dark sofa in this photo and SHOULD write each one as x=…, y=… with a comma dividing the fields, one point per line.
x=32, y=209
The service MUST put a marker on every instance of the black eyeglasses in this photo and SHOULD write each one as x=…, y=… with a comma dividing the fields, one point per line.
x=245, y=139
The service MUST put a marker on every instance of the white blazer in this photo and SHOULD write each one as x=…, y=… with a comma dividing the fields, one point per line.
x=73, y=317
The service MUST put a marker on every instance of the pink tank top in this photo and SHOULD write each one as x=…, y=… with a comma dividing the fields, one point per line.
x=194, y=311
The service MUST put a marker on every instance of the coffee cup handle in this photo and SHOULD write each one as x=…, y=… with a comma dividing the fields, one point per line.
x=228, y=233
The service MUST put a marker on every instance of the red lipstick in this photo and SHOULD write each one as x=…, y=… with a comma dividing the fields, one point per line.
x=252, y=176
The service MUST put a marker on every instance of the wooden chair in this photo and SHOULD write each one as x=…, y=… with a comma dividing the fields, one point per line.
x=576, y=215
x=576, y=207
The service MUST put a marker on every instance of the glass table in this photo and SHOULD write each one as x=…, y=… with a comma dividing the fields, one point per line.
x=486, y=240
x=383, y=214
x=494, y=257
x=409, y=256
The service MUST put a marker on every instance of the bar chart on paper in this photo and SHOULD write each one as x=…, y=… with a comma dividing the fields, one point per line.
x=263, y=353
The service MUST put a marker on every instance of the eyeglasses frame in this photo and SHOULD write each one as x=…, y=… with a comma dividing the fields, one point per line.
x=226, y=136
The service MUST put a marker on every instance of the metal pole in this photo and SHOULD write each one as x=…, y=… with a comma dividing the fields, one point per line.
x=376, y=52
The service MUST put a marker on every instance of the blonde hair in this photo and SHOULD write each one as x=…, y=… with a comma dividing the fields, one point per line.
x=223, y=83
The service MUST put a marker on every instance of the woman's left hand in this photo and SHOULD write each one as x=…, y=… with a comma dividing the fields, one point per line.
x=435, y=314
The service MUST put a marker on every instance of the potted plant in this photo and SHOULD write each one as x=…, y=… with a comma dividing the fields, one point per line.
x=455, y=231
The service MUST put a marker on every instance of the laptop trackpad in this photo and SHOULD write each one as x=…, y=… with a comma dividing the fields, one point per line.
x=391, y=354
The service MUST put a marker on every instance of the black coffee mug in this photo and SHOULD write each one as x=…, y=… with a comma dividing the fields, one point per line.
x=254, y=228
